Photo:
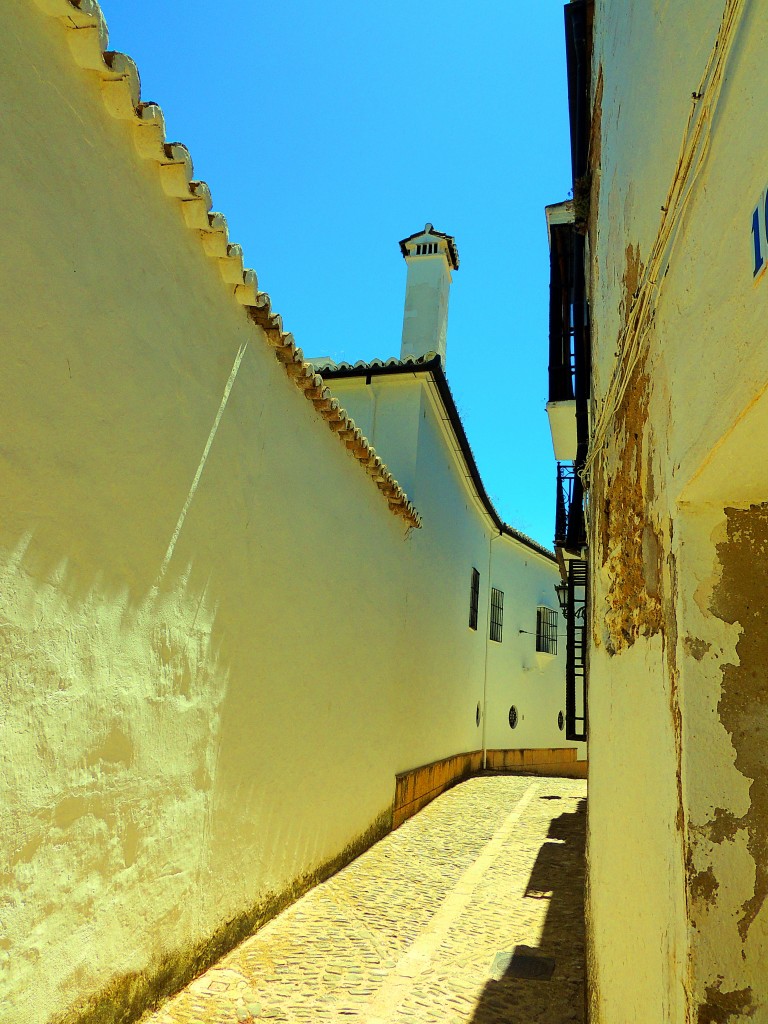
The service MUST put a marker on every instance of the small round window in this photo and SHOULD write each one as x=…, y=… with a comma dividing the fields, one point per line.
x=561, y=721
x=513, y=717
x=477, y=714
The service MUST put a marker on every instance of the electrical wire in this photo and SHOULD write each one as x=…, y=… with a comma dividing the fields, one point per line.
x=693, y=151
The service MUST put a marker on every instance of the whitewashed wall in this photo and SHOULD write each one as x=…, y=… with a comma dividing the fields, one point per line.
x=457, y=535
x=677, y=837
x=518, y=675
x=205, y=658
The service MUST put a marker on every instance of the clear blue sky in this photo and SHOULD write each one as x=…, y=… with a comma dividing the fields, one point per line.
x=329, y=131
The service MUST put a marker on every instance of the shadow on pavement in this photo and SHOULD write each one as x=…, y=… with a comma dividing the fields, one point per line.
x=546, y=983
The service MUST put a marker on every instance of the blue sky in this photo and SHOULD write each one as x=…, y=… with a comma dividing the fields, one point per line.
x=327, y=132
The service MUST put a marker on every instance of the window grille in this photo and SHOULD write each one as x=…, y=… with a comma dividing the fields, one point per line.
x=474, y=599
x=497, y=613
x=546, y=630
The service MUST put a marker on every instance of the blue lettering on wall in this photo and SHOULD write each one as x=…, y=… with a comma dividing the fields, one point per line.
x=756, y=240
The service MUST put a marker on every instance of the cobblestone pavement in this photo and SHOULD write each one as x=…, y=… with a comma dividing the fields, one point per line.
x=411, y=932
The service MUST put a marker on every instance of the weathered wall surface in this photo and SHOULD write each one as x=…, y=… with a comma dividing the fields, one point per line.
x=677, y=508
x=201, y=684
x=399, y=416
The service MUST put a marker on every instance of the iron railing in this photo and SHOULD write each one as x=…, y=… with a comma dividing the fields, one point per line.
x=576, y=664
x=570, y=525
x=562, y=368
x=563, y=502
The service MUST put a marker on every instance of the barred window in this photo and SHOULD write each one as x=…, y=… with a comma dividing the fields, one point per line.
x=546, y=630
x=474, y=598
x=497, y=613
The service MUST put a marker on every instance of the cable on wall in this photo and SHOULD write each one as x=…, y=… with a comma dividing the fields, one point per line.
x=693, y=151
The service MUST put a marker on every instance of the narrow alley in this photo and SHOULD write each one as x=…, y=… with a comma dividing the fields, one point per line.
x=470, y=913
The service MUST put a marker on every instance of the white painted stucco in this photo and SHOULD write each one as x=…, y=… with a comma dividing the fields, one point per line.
x=677, y=850
x=562, y=427
x=427, y=290
x=407, y=425
x=219, y=644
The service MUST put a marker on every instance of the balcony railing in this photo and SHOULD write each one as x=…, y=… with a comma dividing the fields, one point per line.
x=570, y=526
x=561, y=351
x=563, y=502
x=577, y=660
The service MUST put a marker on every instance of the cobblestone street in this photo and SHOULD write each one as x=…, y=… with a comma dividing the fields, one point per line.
x=470, y=913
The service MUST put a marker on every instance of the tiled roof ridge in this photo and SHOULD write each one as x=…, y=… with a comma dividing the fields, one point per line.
x=121, y=94
x=417, y=362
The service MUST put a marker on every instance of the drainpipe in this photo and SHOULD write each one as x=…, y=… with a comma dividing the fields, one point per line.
x=487, y=644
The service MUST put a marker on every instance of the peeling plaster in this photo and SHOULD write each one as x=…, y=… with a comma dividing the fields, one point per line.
x=742, y=597
x=721, y=1006
x=723, y=826
x=670, y=645
x=704, y=886
x=633, y=272
x=696, y=647
x=630, y=543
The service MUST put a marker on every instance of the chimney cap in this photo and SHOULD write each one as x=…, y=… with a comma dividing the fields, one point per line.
x=452, y=253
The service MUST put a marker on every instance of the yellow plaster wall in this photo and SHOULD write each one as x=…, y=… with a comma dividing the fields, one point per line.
x=677, y=848
x=204, y=654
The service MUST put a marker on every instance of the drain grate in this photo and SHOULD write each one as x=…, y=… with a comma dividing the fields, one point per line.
x=522, y=965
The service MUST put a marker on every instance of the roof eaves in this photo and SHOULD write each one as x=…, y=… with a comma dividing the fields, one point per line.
x=121, y=93
x=431, y=364
x=377, y=367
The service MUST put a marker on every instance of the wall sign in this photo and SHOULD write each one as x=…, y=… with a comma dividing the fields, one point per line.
x=760, y=234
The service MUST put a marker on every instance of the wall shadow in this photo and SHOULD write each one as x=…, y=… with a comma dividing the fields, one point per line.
x=546, y=983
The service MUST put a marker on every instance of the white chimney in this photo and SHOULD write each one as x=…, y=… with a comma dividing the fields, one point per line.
x=431, y=256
